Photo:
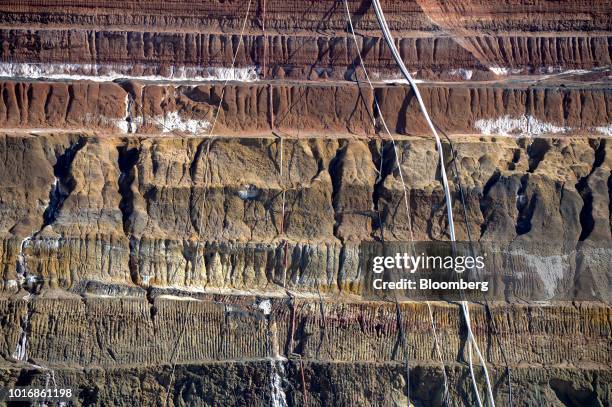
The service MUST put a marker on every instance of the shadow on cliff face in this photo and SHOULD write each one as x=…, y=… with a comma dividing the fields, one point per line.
x=64, y=182
x=128, y=157
x=572, y=397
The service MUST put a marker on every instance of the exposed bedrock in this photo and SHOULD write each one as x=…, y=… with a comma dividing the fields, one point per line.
x=303, y=344
x=295, y=15
x=449, y=40
x=317, y=57
x=114, y=332
x=209, y=213
x=308, y=109
x=177, y=229
x=327, y=384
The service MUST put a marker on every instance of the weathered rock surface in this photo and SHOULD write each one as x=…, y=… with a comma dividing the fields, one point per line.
x=298, y=39
x=298, y=109
x=112, y=232
x=107, y=345
x=176, y=230
x=201, y=213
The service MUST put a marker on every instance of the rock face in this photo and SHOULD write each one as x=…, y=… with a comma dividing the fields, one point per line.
x=347, y=353
x=315, y=109
x=297, y=39
x=187, y=213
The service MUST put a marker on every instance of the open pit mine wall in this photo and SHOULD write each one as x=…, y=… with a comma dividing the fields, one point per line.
x=126, y=350
x=118, y=229
x=109, y=226
x=158, y=267
x=314, y=108
x=197, y=213
x=304, y=39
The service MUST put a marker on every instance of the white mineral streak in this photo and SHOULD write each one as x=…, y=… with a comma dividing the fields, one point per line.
x=109, y=73
x=466, y=74
x=172, y=121
x=550, y=269
x=521, y=126
x=279, y=399
x=397, y=79
x=499, y=71
x=605, y=130
x=546, y=70
x=21, y=260
x=277, y=370
x=561, y=70
x=21, y=350
x=265, y=306
x=401, y=81
x=120, y=123
x=248, y=192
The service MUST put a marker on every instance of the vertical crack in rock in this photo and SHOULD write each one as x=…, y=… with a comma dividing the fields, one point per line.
x=63, y=185
x=195, y=200
x=525, y=206
x=190, y=253
x=516, y=157
x=128, y=157
x=342, y=265
x=193, y=166
x=536, y=152
x=335, y=173
x=526, y=202
x=150, y=296
x=47, y=107
x=64, y=182
x=127, y=160
x=133, y=260
x=485, y=200
x=385, y=162
x=587, y=221
x=130, y=123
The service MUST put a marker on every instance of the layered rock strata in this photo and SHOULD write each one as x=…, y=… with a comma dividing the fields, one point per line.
x=187, y=214
x=204, y=213
x=315, y=110
x=459, y=40
x=324, y=353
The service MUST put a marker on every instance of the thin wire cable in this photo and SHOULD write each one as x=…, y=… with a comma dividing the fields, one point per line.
x=212, y=127
x=177, y=349
x=464, y=305
x=406, y=201
x=472, y=375
x=282, y=185
x=176, y=353
x=502, y=349
x=265, y=39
